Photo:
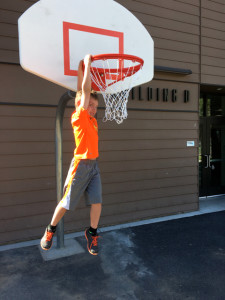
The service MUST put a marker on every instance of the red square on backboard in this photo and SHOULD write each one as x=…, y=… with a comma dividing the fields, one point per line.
x=99, y=31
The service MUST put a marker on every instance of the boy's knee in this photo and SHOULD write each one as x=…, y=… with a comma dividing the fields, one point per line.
x=96, y=205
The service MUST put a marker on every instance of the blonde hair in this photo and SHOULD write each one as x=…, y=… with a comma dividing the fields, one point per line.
x=93, y=94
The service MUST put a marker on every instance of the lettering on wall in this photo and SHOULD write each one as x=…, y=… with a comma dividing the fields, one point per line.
x=159, y=94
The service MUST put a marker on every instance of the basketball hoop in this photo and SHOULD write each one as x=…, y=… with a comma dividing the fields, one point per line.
x=113, y=75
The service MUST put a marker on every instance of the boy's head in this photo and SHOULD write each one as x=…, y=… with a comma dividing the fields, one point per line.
x=93, y=102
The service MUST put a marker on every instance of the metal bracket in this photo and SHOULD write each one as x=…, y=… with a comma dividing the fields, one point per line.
x=207, y=158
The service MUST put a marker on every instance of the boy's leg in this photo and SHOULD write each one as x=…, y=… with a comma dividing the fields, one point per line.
x=95, y=213
x=46, y=241
x=76, y=185
x=94, y=198
x=58, y=214
x=91, y=233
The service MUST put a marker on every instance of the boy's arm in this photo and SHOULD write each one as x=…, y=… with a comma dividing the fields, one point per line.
x=80, y=76
x=86, y=84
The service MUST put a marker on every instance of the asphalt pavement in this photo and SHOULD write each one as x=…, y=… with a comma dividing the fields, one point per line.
x=172, y=260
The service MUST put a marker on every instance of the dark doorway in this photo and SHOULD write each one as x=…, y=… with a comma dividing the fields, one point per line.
x=212, y=144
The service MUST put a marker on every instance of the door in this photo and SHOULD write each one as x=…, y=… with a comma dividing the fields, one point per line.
x=212, y=145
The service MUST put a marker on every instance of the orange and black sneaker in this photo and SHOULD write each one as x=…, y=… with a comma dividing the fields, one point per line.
x=46, y=241
x=92, y=242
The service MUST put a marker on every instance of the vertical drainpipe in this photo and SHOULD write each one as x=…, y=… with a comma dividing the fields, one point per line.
x=59, y=159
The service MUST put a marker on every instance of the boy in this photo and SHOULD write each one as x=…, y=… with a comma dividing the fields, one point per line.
x=83, y=176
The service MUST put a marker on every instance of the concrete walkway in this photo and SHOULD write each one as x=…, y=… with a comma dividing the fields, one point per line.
x=176, y=259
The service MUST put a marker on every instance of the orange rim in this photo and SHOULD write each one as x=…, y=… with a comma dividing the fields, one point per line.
x=122, y=57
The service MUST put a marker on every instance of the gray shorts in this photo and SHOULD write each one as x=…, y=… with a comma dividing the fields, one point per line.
x=86, y=180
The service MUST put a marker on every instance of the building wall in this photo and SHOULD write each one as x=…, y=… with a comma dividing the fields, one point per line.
x=175, y=29
x=212, y=42
x=147, y=169
x=10, y=12
x=27, y=186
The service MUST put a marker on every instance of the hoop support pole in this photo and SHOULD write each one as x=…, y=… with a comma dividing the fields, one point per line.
x=65, y=98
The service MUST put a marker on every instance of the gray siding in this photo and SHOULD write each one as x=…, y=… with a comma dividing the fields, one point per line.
x=175, y=29
x=212, y=42
x=146, y=168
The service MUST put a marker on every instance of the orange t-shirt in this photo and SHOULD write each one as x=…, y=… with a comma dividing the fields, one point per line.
x=85, y=129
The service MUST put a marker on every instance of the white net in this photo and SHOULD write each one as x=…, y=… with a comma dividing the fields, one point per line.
x=110, y=81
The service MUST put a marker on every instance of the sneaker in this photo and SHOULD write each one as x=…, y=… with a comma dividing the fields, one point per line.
x=92, y=242
x=46, y=241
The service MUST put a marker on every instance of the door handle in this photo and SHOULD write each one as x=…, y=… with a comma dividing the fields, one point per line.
x=211, y=166
x=207, y=159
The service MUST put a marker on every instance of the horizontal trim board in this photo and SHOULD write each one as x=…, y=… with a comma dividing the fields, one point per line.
x=169, y=62
x=172, y=70
x=175, y=80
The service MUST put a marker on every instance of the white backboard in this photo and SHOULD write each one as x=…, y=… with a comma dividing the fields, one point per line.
x=54, y=35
